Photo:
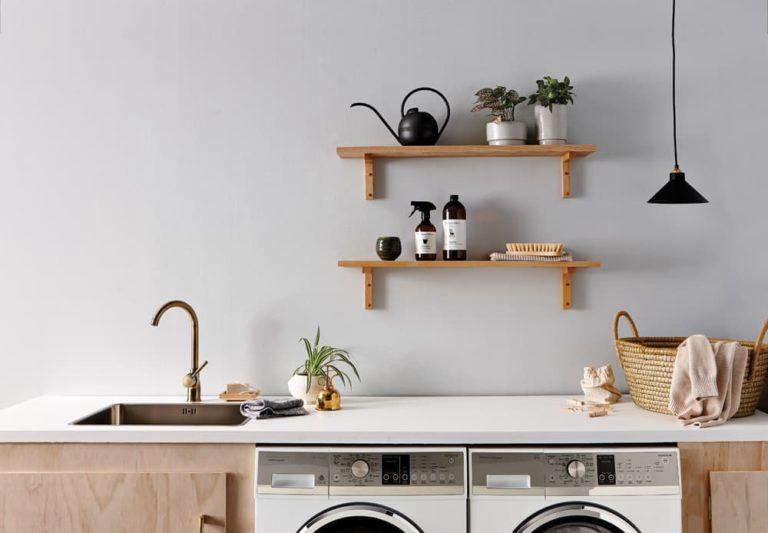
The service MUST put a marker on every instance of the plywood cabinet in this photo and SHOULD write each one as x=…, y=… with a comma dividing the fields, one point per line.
x=116, y=502
x=739, y=502
x=150, y=488
x=698, y=462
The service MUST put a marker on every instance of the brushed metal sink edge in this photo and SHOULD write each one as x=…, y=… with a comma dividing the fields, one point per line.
x=165, y=414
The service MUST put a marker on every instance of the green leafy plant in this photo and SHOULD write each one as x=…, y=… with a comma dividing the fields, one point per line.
x=324, y=361
x=552, y=91
x=499, y=101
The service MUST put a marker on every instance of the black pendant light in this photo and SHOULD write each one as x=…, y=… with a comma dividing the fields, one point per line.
x=677, y=190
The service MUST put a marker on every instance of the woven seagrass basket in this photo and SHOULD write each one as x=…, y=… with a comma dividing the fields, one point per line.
x=648, y=364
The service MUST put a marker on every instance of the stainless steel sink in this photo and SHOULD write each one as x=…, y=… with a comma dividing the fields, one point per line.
x=165, y=414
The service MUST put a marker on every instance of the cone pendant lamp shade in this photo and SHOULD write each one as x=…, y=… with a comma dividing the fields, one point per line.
x=677, y=190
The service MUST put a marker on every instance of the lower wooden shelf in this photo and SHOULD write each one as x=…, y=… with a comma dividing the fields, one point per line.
x=367, y=266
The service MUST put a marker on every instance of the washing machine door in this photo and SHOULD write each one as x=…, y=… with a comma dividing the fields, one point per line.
x=360, y=518
x=577, y=517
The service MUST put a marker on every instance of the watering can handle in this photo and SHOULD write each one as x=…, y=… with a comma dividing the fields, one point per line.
x=447, y=106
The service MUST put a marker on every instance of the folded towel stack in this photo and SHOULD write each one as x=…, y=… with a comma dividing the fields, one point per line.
x=262, y=408
x=507, y=256
x=706, y=381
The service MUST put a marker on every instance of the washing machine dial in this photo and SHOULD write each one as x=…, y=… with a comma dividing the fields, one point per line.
x=360, y=469
x=576, y=469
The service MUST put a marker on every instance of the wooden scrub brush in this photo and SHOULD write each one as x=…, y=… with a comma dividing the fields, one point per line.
x=549, y=249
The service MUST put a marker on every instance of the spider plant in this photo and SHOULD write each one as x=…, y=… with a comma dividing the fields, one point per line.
x=325, y=361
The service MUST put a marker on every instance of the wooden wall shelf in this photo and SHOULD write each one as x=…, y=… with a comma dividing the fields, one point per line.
x=564, y=151
x=566, y=267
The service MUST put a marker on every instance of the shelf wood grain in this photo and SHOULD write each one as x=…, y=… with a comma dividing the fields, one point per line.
x=368, y=265
x=375, y=263
x=480, y=150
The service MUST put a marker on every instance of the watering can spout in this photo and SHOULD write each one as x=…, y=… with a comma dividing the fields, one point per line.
x=380, y=118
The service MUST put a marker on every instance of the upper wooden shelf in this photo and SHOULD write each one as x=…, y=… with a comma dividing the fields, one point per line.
x=480, y=150
x=564, y=151
x=367, y=266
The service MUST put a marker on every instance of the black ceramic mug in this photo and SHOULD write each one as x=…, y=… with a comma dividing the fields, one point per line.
x=388, y=248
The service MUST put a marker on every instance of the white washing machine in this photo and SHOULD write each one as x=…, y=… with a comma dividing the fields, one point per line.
x=575, y=490
x=361, y=490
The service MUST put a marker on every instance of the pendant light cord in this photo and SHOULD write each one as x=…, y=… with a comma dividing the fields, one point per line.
x=674, y=77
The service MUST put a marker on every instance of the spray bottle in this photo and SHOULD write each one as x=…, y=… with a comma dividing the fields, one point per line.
x=426, y=233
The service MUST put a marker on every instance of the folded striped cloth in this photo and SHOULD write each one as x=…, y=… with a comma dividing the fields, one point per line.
x=506, y=256
x=262, y=408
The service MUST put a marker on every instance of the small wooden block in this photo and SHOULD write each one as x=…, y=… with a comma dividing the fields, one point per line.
x=565, y=161
x=368, y=177
x=368, y=287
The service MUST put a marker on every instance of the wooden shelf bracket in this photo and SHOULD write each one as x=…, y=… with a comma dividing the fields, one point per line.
x=565, y=281
x=565, y=161
x=368, y=158
x=368, y=288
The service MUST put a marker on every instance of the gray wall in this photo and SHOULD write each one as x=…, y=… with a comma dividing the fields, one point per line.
x=186, y=149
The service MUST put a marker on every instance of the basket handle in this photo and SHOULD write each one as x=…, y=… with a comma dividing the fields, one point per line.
x=634, y=328
x=758, y=346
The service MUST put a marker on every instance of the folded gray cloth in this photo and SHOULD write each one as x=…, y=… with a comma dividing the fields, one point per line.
x=262, y=408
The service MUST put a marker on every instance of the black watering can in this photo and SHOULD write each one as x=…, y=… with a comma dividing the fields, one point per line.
x=416, y=128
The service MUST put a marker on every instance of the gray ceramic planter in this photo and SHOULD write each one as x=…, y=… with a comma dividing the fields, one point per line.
x=552, y=125
x=505, y=133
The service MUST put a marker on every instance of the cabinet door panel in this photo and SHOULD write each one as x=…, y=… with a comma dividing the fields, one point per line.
x=698, y=459
x=739, y=502
x=64, y=502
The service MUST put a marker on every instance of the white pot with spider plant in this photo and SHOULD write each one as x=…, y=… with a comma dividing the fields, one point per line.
x=551, y=99
x=321, y=362
x=501, y=103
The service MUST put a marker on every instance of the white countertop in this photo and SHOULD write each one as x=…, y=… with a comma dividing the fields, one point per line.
x=382, y=420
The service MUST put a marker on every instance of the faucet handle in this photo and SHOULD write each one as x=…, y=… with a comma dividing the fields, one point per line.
x=190, y=380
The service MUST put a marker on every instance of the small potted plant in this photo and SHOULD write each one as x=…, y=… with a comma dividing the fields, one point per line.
x=551, y=98
x=501, y=103
x=310, y=377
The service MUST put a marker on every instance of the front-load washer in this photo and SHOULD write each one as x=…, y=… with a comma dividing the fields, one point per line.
x=575, y=490
x=361, y=489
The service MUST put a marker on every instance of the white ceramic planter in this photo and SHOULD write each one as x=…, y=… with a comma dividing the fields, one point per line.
x=552, y=125
x=297, y=386
x=505, y=133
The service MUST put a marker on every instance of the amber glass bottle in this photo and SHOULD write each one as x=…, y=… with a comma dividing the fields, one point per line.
x=454, y=230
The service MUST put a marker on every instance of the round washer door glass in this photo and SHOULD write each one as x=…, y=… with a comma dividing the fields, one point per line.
x=577, y=518
x=359, y=518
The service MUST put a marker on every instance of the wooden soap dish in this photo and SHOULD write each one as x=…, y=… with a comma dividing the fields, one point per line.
x=239, y=392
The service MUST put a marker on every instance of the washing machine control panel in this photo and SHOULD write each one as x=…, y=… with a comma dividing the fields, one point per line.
x=361, y=471
x=579, y=470
x=393, y=469
x=638, y=469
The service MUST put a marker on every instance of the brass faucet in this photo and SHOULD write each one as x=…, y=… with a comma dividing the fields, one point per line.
x=191, y=380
